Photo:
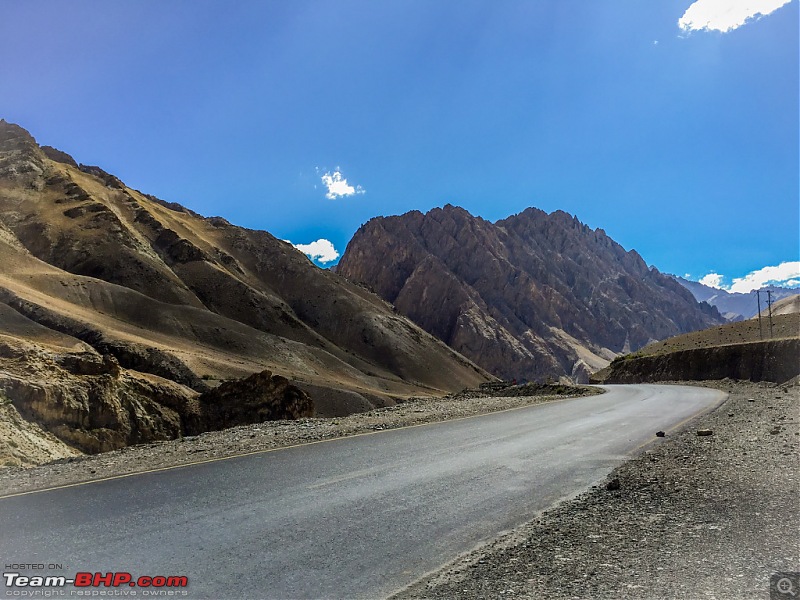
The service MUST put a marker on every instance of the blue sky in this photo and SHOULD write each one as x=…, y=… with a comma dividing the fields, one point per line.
x=680, y=142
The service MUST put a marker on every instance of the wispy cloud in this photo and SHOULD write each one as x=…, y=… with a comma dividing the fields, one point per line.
x=786, y=274
x=726, y=15
x=321, y=250
x=337, y=185
x=779, y=275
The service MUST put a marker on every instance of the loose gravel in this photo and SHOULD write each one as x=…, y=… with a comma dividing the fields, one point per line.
x=694, y=516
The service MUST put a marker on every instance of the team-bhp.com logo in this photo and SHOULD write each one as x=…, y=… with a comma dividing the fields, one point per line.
x=156, y=585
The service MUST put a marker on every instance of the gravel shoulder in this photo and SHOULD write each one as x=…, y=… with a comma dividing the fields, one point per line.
x=272, y=435
x=693, y=517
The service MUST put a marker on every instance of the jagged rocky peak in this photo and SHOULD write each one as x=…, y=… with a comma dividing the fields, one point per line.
x=58, y=156
x=532, y=296
x=14, y=138
x=21, y=159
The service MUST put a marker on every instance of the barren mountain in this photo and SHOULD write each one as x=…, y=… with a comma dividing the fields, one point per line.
x=734, y=306
x=787, y=306
x=532, y=296
x=119, y=312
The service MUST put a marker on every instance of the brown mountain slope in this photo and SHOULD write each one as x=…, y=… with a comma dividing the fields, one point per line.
x=785, y=306
x=531, y=296
x=93, y=267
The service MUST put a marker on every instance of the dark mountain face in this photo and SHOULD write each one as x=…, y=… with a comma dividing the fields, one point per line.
x=531, y=296
x=93, y=266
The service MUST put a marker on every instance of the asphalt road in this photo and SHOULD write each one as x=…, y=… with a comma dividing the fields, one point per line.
x=355, y=517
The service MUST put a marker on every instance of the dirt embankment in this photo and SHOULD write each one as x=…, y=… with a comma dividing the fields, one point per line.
x=771, y=360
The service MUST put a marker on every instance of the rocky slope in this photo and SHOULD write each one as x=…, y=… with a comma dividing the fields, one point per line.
x=532, y=296
x=118, y=311
x=787, y=306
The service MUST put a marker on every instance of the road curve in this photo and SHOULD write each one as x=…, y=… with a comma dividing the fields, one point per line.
x=355, y=517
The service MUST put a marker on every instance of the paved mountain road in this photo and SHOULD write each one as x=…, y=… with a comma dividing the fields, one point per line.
x=355, y=517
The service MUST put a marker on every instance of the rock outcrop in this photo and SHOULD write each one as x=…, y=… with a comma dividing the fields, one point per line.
x=532, y=296
x=255, y=399
x=87, y=400
x=90, y=403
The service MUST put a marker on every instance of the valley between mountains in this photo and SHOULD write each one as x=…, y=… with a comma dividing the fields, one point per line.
x=127, y=319
x=142, y=342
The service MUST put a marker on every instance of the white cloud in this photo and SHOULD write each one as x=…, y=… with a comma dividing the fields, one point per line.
x=726, y=15
x=786, y=274
x=321, y=250
x=338, y=187
x=780, y=275
x=712, y=280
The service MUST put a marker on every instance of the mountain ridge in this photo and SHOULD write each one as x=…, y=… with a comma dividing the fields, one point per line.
x=93, y=268
x=735, y=306
x=530, y=296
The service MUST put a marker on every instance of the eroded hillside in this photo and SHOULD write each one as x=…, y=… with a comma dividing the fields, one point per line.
x=159, y=305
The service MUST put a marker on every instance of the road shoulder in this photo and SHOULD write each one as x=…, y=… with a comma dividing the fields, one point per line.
x=693, y=516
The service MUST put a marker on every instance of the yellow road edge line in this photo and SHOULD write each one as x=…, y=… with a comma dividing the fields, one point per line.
x=266, y=450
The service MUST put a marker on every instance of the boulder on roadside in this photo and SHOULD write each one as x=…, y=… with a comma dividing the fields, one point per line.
x=254, y=399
